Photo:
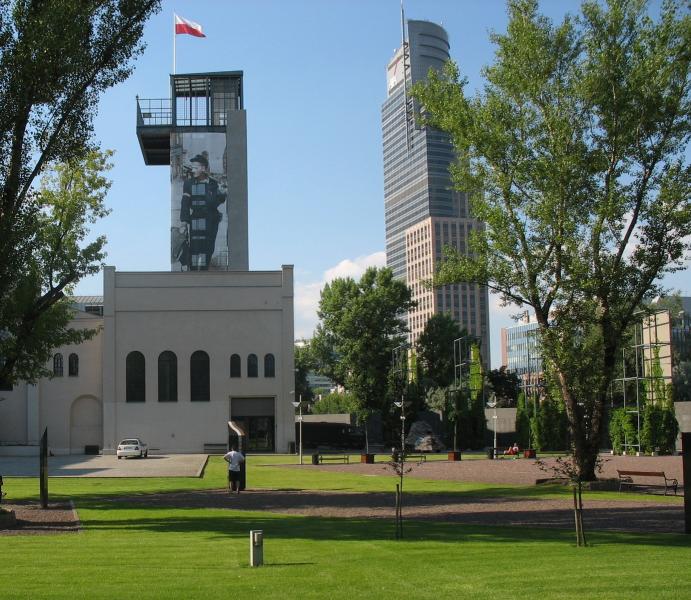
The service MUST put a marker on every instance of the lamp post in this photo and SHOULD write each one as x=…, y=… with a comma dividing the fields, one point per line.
x=401, y=472
x=400, y=405
x=492, y=403
x=298, y=404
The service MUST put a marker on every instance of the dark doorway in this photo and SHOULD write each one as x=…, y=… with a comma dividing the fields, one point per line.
x=260, y=433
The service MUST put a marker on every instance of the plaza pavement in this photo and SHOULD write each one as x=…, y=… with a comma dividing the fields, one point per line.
x=168, y=465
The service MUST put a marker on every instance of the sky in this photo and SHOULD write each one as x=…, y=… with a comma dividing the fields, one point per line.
x=314, y=83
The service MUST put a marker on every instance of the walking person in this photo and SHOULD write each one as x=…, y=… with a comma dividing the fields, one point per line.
x=234, y=459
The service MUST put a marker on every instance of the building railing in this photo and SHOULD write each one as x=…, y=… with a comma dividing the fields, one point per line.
x=192, y=112
x=154, y=112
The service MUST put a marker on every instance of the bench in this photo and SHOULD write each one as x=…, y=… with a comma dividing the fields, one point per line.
x=407, y=457
x=502, y=454
x=215, y=448
x=418, y=457
x=344, y=458
x=626, y=478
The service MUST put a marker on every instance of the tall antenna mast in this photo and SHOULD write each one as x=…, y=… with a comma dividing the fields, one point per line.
x=407, y=76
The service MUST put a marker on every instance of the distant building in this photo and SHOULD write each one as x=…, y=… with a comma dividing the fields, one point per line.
x=521, y=352
x=423, y=212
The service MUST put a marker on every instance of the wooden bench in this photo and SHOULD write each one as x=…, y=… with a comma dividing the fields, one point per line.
x=407, y=457
x=344, y=458
x=418, y=457
x=626, y=478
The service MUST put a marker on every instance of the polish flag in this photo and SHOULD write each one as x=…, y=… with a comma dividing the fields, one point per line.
x=189, y=27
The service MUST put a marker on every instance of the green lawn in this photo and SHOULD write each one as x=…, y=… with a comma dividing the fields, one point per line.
x=127, y=552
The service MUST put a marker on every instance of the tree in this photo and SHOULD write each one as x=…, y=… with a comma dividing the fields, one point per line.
x=360, y=326
x=435, y=349
x=335, y=403
x=573, y=156
x=524, y=412
x=71, y=197
x=304, y=363
x=56, y=58
x=505, y=384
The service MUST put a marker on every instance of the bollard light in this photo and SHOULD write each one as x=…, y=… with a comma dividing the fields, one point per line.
x=256, y=548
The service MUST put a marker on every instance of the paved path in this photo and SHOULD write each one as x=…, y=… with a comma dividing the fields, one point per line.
x=169, y=465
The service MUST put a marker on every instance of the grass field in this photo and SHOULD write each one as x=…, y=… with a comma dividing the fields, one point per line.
x=127, y=551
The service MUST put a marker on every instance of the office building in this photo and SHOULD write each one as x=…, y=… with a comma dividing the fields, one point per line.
x=423, y=212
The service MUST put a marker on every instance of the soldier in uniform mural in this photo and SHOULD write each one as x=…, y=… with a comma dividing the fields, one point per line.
x=201, y=197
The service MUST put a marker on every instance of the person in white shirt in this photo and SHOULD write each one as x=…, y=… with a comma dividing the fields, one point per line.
x=234, y=459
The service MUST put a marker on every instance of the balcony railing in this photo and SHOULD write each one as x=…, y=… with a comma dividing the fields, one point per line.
x=154, y=112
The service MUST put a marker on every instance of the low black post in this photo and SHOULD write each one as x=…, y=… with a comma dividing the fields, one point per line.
x=43, y=485
x=686, y=474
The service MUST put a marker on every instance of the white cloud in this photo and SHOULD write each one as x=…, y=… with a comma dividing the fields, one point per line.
x=355, y=268
x=307, y=292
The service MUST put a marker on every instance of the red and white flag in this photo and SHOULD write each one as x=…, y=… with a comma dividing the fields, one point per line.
x=188, y=27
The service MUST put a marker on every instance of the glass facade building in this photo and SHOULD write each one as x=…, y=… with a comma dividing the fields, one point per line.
x=422, y=211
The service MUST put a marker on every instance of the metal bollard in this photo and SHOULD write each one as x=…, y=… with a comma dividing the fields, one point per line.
x=256, y=548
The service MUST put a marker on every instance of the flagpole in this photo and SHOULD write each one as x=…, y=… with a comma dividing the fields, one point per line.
x=174, y=41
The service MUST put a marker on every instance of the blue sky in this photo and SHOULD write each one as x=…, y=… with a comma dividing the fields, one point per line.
x=314, y=80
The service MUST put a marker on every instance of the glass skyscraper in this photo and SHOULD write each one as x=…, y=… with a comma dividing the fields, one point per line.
x=423, y=212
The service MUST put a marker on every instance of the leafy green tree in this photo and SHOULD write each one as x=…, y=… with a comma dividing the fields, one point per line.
x=335, y=403
x=573, y=154
x=435, y=349
x=359, y=327
x=304, y=363
x=622, y=430
x=71, y=197
x=56, y=59
x=477, y=423
x=551, y=425
x=523, y=415
x=505, y=384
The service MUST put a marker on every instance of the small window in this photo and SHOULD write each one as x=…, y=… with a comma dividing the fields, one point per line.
x=235, y=366
x=57, y=365
x=135, y=377
x=269, y=366
x=167, y=377
x=199, y=377
x=252, y=366
x=73, y=365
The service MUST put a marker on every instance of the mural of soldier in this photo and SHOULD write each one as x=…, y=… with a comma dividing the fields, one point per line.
x=199, y=203
x=201, y=197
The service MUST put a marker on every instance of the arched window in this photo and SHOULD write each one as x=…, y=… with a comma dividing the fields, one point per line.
x=57, y=365
x=252, y=366
x=135, y=378
x=235, y=366
x=269, y=365
x=167, y=377
x=73, y=365
x=199, y=376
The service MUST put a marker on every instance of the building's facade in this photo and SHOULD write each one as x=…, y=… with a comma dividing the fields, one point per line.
x=423, y=212
x=178, y=355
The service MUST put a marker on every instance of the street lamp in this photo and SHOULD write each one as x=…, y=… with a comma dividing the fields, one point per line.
x=298, y=404
x=400, y=405
x=492, y=403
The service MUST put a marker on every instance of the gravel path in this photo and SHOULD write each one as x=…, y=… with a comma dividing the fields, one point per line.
x=616, y=515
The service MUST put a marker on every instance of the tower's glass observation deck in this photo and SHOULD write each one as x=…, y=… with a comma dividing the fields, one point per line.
x=198, y=101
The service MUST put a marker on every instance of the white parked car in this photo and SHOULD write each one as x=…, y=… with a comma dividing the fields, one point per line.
x=132, y=447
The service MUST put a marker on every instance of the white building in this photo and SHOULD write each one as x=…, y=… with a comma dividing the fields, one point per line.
x=179, y=354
